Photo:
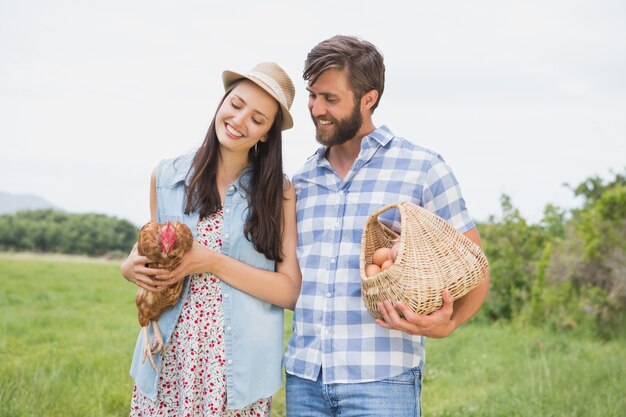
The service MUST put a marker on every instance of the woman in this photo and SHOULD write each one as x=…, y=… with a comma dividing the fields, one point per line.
x=224, y=338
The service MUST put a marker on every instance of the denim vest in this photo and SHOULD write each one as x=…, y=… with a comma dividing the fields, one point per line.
x=253, y=329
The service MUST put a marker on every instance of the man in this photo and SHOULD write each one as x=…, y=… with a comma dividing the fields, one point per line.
x=339, y=361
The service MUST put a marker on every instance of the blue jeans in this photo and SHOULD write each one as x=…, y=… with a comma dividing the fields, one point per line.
x=398, y=397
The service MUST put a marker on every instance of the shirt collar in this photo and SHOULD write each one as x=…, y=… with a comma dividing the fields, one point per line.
x=381, y=135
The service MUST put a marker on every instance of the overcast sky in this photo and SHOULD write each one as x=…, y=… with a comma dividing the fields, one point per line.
x=518, y=97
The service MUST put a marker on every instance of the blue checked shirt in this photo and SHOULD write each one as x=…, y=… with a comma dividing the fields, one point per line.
x=332, y=329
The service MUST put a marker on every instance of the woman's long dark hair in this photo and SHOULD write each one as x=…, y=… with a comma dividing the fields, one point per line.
x=264, y=223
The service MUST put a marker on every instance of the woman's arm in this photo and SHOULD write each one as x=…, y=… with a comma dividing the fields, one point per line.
x=280, y=288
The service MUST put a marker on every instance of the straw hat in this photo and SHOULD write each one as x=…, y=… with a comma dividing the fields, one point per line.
x=273, y=79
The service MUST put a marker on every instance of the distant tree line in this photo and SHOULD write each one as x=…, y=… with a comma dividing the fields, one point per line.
x=55, y=231
x=569, y=270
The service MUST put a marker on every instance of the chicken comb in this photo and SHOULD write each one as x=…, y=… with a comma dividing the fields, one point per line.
x=168, y=238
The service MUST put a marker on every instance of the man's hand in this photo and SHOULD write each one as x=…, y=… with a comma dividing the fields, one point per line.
x=437, y=324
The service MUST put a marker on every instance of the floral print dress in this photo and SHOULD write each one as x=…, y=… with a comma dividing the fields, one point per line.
x=192, y=382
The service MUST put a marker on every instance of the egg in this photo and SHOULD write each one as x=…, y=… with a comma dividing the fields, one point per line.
x=371, y=270
x=380, y=255
x=386, y=264
x=394, y=251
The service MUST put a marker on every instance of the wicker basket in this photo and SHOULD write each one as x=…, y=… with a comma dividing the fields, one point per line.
x=433, y=255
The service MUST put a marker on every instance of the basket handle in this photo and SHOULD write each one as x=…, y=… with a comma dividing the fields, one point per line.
x=400, y=205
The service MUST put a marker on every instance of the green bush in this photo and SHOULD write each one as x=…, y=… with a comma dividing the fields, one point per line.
x=59, y=232
x=513, y=247
x=569, y=271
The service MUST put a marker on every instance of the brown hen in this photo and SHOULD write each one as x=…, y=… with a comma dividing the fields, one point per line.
x=164, y=244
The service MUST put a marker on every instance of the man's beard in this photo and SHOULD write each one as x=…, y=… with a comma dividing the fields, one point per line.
x=343, y=131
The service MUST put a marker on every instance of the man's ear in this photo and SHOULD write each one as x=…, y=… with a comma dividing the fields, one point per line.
x=369, y=99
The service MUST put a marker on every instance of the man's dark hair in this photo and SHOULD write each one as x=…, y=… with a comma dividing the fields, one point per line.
x=362, y=61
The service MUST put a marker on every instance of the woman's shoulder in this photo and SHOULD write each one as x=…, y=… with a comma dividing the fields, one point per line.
x=171, y=171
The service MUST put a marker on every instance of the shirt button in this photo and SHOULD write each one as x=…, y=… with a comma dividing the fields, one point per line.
x=226, y=236
x=228, y=328
x=226, y=210
x=226, y=295
x=332, y=260
x=328, y=295
x=337, y=225
x=230, y=361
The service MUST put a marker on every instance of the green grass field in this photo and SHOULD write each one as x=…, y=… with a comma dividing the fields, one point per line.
x=68, y=327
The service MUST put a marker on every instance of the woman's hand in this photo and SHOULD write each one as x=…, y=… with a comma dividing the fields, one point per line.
x=134, y=269
x=196, y=261
x=436, y=324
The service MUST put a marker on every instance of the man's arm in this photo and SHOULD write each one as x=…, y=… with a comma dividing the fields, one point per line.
x=442, y=322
